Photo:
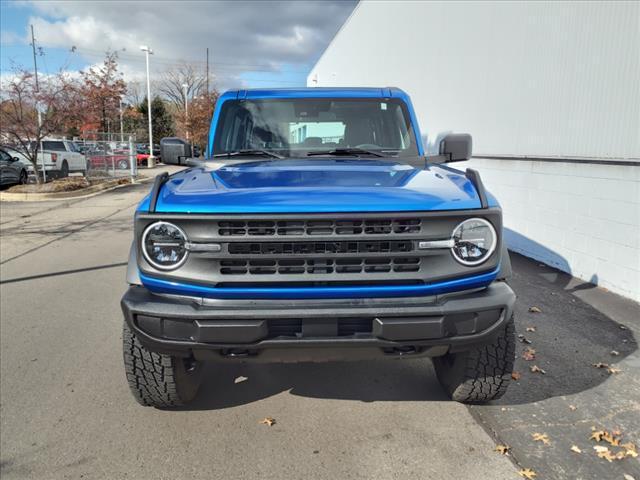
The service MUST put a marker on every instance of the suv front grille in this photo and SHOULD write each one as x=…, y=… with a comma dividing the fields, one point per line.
x=320, y=266
x=309, y=248
x=375, y=226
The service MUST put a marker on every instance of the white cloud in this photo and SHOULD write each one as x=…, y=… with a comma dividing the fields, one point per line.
x=243, y=36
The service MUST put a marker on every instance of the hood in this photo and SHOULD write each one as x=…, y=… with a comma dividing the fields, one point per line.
x=313, y=186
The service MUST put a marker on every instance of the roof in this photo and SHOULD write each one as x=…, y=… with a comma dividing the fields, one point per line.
x=316, y=92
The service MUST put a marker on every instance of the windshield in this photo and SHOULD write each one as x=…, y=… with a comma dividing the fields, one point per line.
x=297, y=127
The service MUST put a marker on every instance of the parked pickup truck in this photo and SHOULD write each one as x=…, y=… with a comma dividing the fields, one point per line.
x=61, y=157
x=317, y=229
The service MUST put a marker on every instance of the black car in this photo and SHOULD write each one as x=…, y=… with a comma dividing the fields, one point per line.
x=12, y=170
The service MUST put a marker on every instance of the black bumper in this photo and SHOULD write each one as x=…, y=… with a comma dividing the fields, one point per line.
x=427, y=326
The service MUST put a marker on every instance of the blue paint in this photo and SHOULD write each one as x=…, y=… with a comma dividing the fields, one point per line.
x=157, y=285
x=313, y=186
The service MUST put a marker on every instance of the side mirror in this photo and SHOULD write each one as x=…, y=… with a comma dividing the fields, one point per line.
x=15, y=159
x=456, y=147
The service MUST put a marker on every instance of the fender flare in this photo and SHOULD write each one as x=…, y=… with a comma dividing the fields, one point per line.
x=505, y=263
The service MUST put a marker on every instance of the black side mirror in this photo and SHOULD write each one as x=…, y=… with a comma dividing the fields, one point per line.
x=15, y=159
x=456, y=147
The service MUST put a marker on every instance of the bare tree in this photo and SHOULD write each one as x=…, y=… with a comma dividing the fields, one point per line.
x=58, y=99
x=171, y=84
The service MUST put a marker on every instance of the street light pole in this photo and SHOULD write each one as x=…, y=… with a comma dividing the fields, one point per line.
x=151, y=162
x=186, y=110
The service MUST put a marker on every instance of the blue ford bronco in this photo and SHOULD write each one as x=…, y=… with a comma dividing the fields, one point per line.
x=317, y=229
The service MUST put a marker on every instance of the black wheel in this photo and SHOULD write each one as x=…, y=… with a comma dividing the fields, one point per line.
x=24, y=178
x=156, y=379
x=481, y=374
x=123, y=164
x=64, y=171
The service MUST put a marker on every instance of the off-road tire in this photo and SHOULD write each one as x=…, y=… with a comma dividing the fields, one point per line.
x=156, y=379
x=481, y=374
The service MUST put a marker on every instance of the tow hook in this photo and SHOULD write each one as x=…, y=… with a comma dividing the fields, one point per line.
x=235, y=353
x=401, y=351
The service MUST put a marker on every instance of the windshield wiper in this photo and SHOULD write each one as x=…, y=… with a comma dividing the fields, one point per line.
x=254, y=151
x=346, y=151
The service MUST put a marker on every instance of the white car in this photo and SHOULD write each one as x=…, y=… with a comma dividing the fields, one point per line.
x=60, y=157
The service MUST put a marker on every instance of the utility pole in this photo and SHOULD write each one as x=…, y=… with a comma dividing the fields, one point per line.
x=151, y=162
x=207, y=70
x=35, y=68
x=35, y=63
x=121, y=125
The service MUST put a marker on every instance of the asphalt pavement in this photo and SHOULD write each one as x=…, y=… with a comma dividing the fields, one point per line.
x=66, y=412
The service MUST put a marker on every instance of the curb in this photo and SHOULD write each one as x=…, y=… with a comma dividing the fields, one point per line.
x=76, y=194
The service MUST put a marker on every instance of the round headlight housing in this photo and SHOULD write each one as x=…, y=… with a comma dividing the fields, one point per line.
x=474, y=240
x=164, y=245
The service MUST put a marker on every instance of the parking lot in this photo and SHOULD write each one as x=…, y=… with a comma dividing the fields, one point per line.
x=66, y=411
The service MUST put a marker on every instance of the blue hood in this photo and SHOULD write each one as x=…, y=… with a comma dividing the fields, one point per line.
x=313, y=186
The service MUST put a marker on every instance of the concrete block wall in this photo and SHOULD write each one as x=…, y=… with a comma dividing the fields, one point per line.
x=581, y=218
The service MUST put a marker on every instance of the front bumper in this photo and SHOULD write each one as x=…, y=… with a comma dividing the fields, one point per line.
x=208, y=328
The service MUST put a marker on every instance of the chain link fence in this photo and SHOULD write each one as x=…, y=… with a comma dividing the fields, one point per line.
x=109, y=155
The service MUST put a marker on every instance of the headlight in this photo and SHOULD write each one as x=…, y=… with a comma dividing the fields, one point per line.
x=164, y=245
x=474, y=240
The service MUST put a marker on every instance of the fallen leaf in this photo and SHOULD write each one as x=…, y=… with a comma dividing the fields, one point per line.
x=524, y=339
x=268, y=421
x=628, y=477
x=541, y=437
x=614, y=353
x=604, y=452
x=531, y=329
x=622, y=327
x=503, y=449
x=601, y=365
x=597, y=435
x=630, y=449
x=527, y=473
x=613, y=370
x=535, y=310
x=529, y=354
x=573, y=408
x=575, y=448
x=515, y=376
x=537, y=369
x=240, y=379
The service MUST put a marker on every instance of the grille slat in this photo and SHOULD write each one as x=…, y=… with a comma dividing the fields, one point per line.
x=268, y=228
x=319, y=266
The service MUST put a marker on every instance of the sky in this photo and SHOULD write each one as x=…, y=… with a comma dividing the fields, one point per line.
x=251, y=43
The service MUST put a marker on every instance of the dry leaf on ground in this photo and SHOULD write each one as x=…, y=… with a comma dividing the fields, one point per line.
x=529, y=354
x=630, y=449
x=601, y=365
x=575, y=448
x=531, y=329
x=614, y=353
x=628, y=477
x=573, y=408
x=613, y=370
x=268, y=421
x=503, y=449
x=535, y=309
x=527, y=473
x=524, y=339
x=537, y=369
x=541, y=437
x=515, y=375
x=240, y=379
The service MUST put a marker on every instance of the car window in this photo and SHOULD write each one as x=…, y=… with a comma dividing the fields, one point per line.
x=54, y=146
x=4, y=156
x=297, y=126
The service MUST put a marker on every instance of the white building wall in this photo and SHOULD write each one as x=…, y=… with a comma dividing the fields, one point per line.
x=559, y=80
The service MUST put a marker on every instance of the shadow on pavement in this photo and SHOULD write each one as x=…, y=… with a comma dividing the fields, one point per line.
x=371, y=381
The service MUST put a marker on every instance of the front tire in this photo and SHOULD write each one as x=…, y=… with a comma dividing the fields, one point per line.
x=156, y=379
x=481, y=374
